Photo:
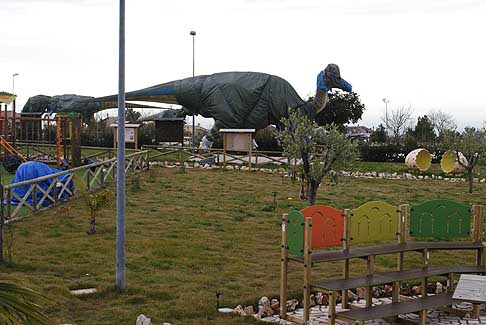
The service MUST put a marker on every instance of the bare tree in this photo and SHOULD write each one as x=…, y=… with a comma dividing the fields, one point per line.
x=397, y=121
x=442, y=121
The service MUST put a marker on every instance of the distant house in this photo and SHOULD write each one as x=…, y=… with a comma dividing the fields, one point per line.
x=200, y=131
x=358, y=133
x=110, y=120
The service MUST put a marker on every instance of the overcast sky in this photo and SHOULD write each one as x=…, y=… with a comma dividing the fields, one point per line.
x=429, y=54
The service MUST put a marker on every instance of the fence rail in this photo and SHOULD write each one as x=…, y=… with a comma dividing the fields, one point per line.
x=92, y=177
x=175, y=154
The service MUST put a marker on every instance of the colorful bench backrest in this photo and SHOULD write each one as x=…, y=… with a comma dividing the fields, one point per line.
x=440, y=219
x=327, y=228
x=327, y=225
x=295, y=233
x=374, y=221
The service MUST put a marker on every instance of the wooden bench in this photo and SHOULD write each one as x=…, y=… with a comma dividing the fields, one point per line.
x=319, y=227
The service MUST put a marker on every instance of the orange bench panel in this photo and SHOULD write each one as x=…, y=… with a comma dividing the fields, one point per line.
x=327, y=225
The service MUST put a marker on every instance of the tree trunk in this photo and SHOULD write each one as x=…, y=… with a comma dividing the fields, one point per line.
x=313, y=186
x=470, y=179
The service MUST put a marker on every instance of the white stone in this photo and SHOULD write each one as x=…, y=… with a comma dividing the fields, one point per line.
x=81, y=292
x=143, y=320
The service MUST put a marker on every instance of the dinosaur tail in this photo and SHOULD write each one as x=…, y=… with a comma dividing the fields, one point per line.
x=163, y=93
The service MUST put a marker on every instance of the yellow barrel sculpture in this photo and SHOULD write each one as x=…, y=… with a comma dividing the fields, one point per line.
x=419, y=158
x=450, y=164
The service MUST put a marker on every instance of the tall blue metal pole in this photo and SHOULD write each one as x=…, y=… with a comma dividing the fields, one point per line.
x=120, y=157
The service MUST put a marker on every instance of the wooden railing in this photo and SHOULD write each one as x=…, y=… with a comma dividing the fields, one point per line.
x=181, y=154
x=93, y=177
x=47, y=151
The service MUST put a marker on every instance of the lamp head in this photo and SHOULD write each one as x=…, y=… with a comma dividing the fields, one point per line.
x=15, y=74
x=193, y=33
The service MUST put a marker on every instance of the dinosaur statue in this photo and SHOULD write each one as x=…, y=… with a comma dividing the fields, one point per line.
x=249, y=100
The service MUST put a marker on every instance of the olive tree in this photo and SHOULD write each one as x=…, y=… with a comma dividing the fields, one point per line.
x=472, y=144
x=319, y=149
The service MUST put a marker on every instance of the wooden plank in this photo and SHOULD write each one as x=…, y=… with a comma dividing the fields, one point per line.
x=390, y=277
x=405, y=307
x=361, y=252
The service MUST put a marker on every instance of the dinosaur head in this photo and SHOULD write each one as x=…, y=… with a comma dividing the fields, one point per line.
x=332, y=75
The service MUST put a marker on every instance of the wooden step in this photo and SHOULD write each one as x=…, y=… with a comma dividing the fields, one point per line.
x=362, y=252
x=394, y=309
x=389, y=277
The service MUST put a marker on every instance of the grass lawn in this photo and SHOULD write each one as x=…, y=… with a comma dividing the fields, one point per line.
x=189, y=235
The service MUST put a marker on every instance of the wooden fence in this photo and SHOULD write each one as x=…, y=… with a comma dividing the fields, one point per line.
x=187, y=153
x=92, y=177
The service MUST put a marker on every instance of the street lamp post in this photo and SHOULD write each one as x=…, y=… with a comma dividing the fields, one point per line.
x=120, y=157
x=13, y=82
x=386, y=101
x=14, y=117
x=193, y=34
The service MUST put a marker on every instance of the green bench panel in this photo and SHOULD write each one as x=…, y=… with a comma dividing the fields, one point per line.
x=374, y=221
x=295, y=235
x=440, y=219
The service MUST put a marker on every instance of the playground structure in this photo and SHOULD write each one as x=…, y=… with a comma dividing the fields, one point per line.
x=31, y=133
x=419, y=159
x=451, y=162
x=392, y=230
x=29, y=130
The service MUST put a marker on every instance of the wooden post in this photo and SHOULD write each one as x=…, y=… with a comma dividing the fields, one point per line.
x=332, y=308
x=5, y=124
x=135, y=137
x=425, y=264
x=114, y=137
x=370, y=263
x=14, y=124
x=225, y=141
x=283, y=269
x=477, y=224
x=9, y=203
x=346, y=244
x=2, y=222
x=49, y=130
x=250, y=147
x=34, y=196
x=76, y=142
x=58, y=140
x=403, y=210
x=307, y=266
x=56, y=190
